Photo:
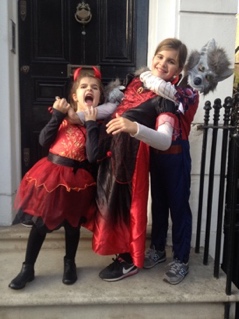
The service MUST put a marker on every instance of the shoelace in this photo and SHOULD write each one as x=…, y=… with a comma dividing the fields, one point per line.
x=116, y=262
x=176, y=267
x=120, y=260
x=150, y=252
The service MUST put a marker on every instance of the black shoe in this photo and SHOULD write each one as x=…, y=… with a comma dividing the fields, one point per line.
x=26, y=275
x=27, y=223
x=118, y=270
x=70, y=275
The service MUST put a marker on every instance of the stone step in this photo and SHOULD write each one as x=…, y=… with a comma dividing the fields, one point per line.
x=143, y=296
x=15, y=237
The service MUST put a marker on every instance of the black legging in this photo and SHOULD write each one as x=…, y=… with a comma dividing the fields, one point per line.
x=36, y=239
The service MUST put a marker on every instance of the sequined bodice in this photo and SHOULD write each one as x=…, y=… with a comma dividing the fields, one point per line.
x=70, y=141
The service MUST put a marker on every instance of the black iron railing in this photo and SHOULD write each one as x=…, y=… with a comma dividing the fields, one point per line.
x=228, y=205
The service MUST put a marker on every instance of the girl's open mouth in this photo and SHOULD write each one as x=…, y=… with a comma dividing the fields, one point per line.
x=89, y=100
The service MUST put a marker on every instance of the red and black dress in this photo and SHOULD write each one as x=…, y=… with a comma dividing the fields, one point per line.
x=60, y=187
x=122, y=185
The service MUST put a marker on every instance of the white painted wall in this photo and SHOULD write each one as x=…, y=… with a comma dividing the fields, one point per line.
x=194, y=22
x=9, y=112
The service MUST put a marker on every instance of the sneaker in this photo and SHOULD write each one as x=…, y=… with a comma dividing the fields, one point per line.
x=153, y=257
x=176, y=273
x=118, y=270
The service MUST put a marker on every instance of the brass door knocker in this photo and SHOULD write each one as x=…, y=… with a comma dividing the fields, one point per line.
x=83, y=13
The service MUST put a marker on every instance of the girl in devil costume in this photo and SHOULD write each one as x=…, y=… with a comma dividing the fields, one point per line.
x=59, y=190
x=122, y=183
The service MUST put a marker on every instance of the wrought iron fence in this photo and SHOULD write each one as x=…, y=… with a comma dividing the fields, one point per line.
x=228, y=206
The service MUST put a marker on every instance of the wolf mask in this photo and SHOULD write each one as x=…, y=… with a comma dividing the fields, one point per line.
x=206, y=68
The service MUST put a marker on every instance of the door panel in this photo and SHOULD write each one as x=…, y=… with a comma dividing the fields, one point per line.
x=52, y=43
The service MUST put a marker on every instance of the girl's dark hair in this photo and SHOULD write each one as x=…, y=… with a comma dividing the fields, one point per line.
x=75, y=83
x=174, y=44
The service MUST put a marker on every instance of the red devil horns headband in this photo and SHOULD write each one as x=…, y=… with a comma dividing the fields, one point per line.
x=96, y=73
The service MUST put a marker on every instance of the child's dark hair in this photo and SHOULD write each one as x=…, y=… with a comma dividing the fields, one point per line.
x=87, y=72
x=174, y=44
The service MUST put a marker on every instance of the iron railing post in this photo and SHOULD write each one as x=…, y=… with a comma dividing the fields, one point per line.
x=232, y=197
x=207, y=109
x=217, y=106
x=224, y=152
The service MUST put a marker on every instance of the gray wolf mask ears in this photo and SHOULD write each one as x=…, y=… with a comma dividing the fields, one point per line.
x=206, y=68
x=113, y=92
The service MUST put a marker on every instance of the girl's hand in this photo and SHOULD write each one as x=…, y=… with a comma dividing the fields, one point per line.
x=121, y=124
x=73, y=118
x=61, y=105
x=90, y=113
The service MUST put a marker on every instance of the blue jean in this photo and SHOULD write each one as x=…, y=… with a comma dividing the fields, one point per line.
x=170, y=191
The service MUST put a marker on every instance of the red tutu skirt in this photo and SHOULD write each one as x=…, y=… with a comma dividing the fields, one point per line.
x=53, y=194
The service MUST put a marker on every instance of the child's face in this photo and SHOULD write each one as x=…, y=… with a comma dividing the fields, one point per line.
x=165, y=64
x=87, y=94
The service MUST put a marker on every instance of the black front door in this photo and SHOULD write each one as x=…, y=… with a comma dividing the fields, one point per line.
x=55, y=36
